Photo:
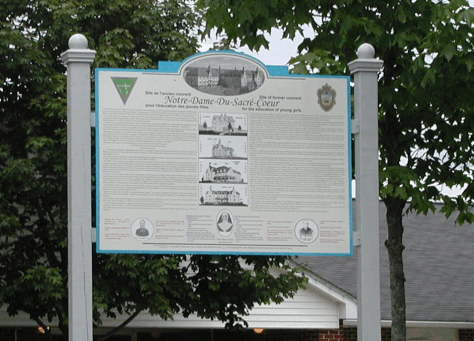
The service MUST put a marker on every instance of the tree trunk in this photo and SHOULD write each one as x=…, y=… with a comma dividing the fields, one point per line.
x=394, y=245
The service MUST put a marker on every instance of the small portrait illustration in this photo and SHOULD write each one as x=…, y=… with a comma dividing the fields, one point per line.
x=224, y=223
x=142, y=229
x=306, y=231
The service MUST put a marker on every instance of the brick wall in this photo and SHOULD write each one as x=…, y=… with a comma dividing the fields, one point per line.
x=267, y=335
x=332, y=334
x=386, y=334
x=340, y=334
x=350, y=334
x=21, y=334
x=7, y=334
x=466, y=334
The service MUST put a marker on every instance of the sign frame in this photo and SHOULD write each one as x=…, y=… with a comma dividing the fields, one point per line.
x=124, y=82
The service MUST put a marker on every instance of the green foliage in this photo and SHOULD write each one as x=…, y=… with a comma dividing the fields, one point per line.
x=425, y=92
x=231, y=286
x=33, y=158
x=426, y=106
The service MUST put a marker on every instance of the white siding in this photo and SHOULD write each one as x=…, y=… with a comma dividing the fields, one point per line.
x=305, y=310
x=316, y=307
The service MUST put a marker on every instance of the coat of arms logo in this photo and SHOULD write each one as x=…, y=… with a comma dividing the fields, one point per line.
x=326, y=97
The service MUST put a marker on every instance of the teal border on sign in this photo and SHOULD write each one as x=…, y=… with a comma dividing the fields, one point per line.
x=273, y=71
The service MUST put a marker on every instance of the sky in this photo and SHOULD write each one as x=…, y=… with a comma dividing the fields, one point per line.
x=280, y=52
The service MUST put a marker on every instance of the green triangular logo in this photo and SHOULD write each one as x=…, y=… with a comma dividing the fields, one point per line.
x=124, y=86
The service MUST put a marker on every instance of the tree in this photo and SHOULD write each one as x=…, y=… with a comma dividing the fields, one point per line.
x=33, y=185
x=425, y=94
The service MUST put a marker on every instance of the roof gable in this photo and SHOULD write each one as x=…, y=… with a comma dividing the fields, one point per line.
x=438, y=263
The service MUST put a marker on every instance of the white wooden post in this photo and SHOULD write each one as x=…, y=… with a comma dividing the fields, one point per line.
x=365, y=70
x=78, y=60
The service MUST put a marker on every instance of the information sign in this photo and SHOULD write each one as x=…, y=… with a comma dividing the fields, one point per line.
x=221, y=154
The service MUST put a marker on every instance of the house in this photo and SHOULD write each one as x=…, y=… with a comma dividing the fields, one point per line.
x=247, y=80
x=222, y=196
x=244, y=79
x=221, y=151
x=439, y=269
x=221, y=174
x=202, y=77
x=223, y=123
x=439, y=272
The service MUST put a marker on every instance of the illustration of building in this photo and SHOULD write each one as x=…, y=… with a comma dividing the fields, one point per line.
x=221, y=151
x=222, y=197
x=223, y=123
x=246, y=80
x=251, y=80
x=199, y=77
x=222, y=174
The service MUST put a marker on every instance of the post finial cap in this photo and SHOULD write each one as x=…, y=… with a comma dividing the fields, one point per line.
x=78, y=42
x=366, y=51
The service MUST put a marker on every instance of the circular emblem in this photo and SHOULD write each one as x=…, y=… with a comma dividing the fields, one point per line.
x=326, y=97
x=306, y=231
x=142, y=229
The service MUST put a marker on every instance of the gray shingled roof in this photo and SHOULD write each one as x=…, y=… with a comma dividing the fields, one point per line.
x=438, y=263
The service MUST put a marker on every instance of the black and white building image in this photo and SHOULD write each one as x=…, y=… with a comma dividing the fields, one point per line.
x=224, y=75
x=222, y=174
x=223, y=147
x=223, y=170
x=221, y=151
x=223, y=194
x=219, y=81
x=216, y=196
x=217, y=171
x=223, y=124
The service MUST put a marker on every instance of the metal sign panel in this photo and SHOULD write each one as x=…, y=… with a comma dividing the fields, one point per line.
x=221, y=154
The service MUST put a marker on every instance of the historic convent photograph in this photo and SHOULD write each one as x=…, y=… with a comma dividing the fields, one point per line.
x=227, y=76
x=221, y=195
x=224, y=147
x=219, y=81
x=225, y=173
x=223, y=124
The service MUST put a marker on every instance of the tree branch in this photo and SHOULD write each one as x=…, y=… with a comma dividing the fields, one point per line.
x=116, y=329
x=47, y=330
